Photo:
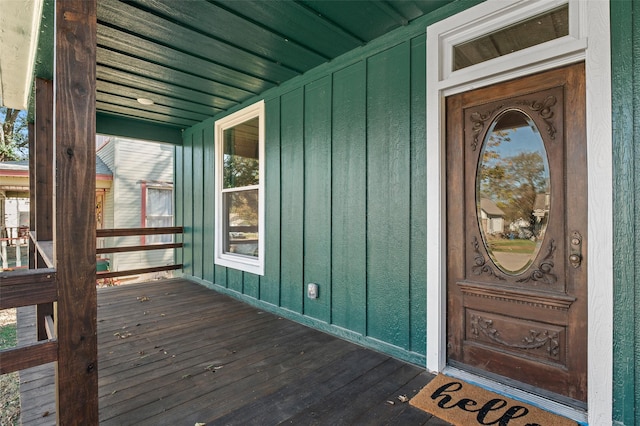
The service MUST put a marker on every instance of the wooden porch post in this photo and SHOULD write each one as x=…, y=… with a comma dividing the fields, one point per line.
x=74, y=211
x=41, y=182
x=32, y=192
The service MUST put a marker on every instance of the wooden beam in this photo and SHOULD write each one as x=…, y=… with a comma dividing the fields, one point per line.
x=74, y=212
x=28, y=356
x=41, y=185
x=32, y=193
x=25, y=287
x=43, y=167
x=128, y=232
x=127, y=249
x=50, y=326
x=44, y=250
x=101, y=275
x=137, y=129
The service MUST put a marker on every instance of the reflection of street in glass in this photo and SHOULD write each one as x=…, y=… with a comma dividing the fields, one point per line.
x=512, y=261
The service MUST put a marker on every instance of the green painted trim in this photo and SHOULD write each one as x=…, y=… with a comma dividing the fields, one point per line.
x=209, y=203
x=187, y=209
x=418, y=193
x=269, y=290
x=129, y=128
x=636, y=174
x=368, y=342
x=198, y=204
x=178, y=220
x=43, y=66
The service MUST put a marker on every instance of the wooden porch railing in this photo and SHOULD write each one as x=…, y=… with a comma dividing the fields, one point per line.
x=129, y=232
x=27, y=287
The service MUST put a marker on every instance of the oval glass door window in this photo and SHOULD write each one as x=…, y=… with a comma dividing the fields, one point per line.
x=513, y=191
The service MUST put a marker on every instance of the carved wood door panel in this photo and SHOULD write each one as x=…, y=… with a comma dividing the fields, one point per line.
x=517, y=233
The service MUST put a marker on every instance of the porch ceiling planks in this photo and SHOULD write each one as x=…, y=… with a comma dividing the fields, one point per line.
x=199, y=58
x=224, y=95
x=232, y=29
x=104, y=102
x=117, y=90
x=157, y=108
x=174, y=352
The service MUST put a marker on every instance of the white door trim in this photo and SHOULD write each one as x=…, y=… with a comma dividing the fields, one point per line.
x=589, y=40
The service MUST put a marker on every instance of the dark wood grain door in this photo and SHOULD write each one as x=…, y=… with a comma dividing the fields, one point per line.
x=517, y=233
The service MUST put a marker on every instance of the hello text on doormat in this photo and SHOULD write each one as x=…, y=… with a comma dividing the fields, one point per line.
x=463, y=404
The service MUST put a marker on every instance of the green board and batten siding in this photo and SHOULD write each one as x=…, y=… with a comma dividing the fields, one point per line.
x=185, y=215
x=345, y=202
x=291, y=200
x=317, y=195
x=346, y=207
x=349, y=186
x=418, y=231
x=388, y=192
x=625, y=65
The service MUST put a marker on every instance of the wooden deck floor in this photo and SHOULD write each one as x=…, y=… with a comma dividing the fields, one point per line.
x=175, y=353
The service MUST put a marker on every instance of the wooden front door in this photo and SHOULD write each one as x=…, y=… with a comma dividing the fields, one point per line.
x=517, y=233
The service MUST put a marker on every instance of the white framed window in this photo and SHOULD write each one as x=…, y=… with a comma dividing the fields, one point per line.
x=239, y=143
x=157, y=210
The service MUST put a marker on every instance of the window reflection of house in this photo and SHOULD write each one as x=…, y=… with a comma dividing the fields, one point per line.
x=541, y=206
x=491, y=217
x=540, y=213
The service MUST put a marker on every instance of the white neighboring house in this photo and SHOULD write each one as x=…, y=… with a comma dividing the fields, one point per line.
x=492, y=217
x=14, y=198
x=141, y=196
x=13, y=232
x=16, y=215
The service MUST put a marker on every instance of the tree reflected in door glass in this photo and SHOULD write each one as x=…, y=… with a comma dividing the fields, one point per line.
x=513, y=191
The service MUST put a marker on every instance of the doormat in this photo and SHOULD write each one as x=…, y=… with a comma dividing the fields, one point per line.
x=463, y=404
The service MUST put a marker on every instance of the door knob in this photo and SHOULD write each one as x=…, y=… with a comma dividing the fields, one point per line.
x=575, y=260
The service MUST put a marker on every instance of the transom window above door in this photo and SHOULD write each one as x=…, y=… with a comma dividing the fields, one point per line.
x=547, y=26
x=514, y=34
